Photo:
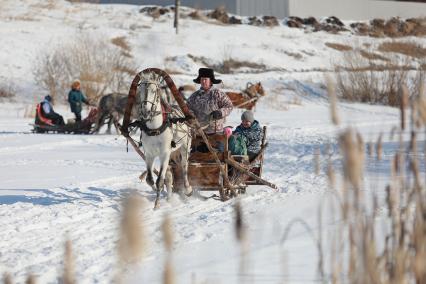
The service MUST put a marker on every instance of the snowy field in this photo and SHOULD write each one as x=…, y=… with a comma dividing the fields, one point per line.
x=54, y=187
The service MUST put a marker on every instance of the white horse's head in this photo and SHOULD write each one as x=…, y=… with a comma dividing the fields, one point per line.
x=149, y=99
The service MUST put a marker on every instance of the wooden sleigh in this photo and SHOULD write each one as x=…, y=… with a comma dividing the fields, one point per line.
x=229, y=174
x=45, y=125
x=214, y=169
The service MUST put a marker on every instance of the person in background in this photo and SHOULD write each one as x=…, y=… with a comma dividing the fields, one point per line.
x=209, y=105
x=48, y=112
x=252, y=133
x=76, y=98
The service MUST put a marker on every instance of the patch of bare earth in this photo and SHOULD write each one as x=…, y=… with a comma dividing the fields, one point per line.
x=373, y=56
x=406, y=48
x=338, y=46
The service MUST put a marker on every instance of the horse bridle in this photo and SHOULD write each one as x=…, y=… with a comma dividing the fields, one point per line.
x=148, y=116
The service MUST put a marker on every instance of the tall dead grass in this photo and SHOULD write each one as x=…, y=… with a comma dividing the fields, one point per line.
x=359, y=78
x=100, y=66
x=412, y=49
x=394, y=251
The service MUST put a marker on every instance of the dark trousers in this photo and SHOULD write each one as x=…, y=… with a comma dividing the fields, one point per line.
x=77, y=116
x=56, y=118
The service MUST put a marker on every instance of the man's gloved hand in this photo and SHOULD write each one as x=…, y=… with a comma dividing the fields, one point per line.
x=216, y=114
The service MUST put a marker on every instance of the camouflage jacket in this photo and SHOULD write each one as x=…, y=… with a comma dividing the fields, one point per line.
x=202, y=103
x=253, y=135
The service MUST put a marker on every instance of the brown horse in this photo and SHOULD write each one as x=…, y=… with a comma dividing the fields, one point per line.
x=247, y=99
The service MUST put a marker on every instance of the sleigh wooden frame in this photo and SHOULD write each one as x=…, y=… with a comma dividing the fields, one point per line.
x=237, y=172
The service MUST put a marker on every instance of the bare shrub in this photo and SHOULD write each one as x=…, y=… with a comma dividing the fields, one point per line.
x=7, y=91
x=412, y=49
x=358, y=79
x=100, y=66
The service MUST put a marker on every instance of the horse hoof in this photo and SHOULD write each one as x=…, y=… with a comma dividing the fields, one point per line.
x=157, y=204
x=143, y=176
x=189, y=191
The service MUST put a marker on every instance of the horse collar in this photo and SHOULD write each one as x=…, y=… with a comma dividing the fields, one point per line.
x=156, y=131
x=159, y=130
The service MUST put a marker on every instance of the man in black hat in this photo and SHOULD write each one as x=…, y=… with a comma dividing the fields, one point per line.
x=48, y=112
x=209, y=105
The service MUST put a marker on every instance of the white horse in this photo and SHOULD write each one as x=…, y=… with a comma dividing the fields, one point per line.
x=160, y=135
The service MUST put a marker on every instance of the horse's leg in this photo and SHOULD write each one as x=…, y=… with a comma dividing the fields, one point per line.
x=169, y=182
x=164, y=160
x=184, y=152
x=99, y=123
x=149, y=167
x=109, y=124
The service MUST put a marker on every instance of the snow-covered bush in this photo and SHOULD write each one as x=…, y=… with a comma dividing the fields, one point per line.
x=100, y=66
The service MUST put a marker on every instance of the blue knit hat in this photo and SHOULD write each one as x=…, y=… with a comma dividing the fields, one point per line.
x=48, y=98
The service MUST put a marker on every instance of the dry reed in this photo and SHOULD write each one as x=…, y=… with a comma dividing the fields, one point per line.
x=68, y=276
x=131, y=243
x=317, y=155
x=7, y=278
x=379, y=147
x=31, y=279
x=402, y=259
x=166, y=228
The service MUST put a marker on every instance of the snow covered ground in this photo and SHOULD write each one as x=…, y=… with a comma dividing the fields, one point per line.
x=54, y=187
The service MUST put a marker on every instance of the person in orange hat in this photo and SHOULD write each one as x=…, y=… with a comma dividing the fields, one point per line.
x=76, y=98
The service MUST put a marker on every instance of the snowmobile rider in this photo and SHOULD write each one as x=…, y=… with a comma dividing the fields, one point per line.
x=209, y=105
x=48, y=112
x=75, y=99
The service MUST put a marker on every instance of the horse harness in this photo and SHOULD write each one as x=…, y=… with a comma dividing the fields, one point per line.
x=166, y=109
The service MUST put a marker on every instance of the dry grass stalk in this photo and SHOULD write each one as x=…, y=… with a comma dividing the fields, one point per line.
x=167, y=230
x=68, y=277
x=333, y=101
x=317, y=154
x=7, y=278
x=379, y=147
x=404, y=103
x=353, y=157
x=331, y=175
x=169, y=274
x=421, y=107
x=239, y=225
x=31, y=279
x=131, y=235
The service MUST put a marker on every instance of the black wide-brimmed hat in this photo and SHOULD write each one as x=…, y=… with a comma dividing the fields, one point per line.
x=206, y=73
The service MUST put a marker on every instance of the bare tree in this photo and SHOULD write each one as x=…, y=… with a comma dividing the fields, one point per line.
x=100, y=66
